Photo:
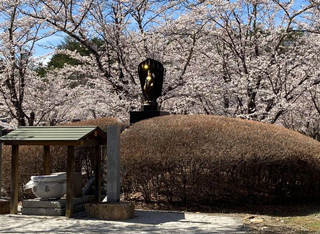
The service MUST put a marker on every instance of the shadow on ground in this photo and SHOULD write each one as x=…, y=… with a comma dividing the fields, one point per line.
x=148, y=217
x=145, y=217
x=287, y=209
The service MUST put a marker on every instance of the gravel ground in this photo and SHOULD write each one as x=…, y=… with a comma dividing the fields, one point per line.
x=143, y=222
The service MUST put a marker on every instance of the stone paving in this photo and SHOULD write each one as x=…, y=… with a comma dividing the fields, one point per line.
x=144, y=222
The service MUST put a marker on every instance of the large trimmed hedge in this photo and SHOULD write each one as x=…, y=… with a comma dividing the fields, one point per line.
x=203, y=160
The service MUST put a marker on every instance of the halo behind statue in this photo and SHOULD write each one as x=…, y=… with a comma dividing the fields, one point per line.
x=156, y=68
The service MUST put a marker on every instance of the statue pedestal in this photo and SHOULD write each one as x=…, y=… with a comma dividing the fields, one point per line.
x=150, y=107
x=136, y=116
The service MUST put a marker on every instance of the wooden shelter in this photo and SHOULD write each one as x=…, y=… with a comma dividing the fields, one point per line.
x=47, y=136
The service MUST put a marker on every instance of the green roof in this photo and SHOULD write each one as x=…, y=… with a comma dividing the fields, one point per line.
x=61, y=135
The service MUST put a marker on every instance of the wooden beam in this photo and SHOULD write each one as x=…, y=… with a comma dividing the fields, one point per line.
x=90, y=142
x=46, y=159
x=70, y=182
x=14, y=180
x=97, y=171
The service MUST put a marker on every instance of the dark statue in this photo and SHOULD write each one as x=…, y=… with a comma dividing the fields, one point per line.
x=148, y=88
x=151, y=74
x=151, y=79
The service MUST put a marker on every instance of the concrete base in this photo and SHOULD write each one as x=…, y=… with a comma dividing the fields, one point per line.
x=136, y=116
x=111, y=211
x=4, y=206
x=53, y=207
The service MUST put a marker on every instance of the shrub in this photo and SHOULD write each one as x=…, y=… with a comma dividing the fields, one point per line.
x=204, y=160
x=31, y=158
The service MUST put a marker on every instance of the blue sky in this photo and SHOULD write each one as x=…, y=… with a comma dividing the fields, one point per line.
x=46, y=46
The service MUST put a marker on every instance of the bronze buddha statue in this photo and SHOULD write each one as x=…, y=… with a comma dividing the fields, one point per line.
x=148, y=88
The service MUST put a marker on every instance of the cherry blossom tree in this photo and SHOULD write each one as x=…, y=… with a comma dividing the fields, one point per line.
x=17, y=40
x=250, y=59
x=123, y=26
x=25, y=97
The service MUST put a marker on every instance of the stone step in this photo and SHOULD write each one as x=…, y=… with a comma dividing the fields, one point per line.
x=34, y=203
x=53, y=207
x=50, y=211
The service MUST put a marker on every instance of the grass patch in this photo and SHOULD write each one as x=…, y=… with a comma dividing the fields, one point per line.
x=309, y=223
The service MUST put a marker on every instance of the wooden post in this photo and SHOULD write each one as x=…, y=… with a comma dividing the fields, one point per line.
x=46, y=159
x=14, y=180
x=70, y=182
x=97, y=193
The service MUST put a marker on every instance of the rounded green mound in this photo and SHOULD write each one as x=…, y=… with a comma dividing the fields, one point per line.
x=202, y=160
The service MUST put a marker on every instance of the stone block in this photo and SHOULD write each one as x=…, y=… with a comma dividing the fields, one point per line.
x=61, y=203
x=4, y=206
x=50, y=211
x=111, y=211
x=37, y=203
x=136, y=116
x=53, y=207
x=43, y=211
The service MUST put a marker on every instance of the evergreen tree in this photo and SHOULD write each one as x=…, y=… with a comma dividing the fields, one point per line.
x=59, y=60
